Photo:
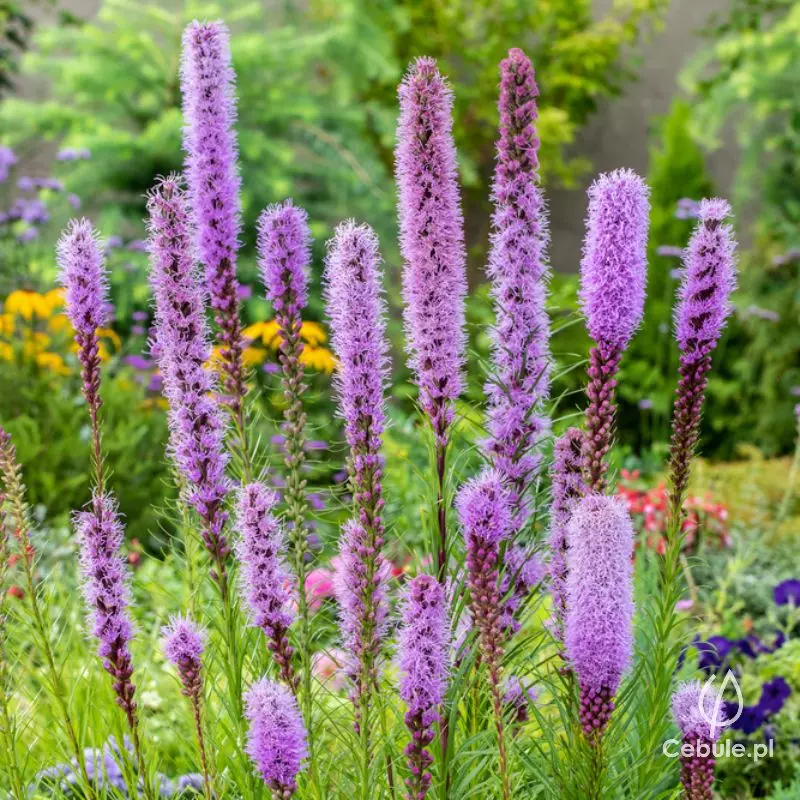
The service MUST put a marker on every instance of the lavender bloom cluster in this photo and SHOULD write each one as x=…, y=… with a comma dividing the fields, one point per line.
x=83, y=275
x=209, y=111
x=184, y=642
x=612, y=293
x=107, y=593
x=598, y=627
x=431, y=241
x=284, y=247
x=356, y=309
x=181, y=346
x=277, y=738
x=266, y=582
x=422, y=649
x=519, y=272
x=703, y=307
x=362, y=594
x=700, y=718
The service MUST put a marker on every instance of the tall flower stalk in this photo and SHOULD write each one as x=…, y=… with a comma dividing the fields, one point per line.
x=284, y=254
x=612, y=294
x=196, y=422
x=422, y=649
x=184, y=642
x=519, y=274
x=356, y=309
x=181, y=345
x=266, y=583
x=486, y=516
x=277, y=739
x=432, y=244
x=99, y=529
x=106, y=590
x=83, y=276
x=598, y=631
x=568, y=488
x=19, y=520
x=209, y=141
x=701, y=720
x=703, y=306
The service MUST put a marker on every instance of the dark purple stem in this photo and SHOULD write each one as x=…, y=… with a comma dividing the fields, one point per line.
x=600, y=413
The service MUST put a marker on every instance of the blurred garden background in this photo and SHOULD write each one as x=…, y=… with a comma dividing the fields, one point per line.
x=699, y=97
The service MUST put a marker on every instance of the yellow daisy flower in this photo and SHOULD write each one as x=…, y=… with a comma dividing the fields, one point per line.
x=252, y=356
x=313, y=333
x=27, y=304
x=52, y=362
x=318, y=358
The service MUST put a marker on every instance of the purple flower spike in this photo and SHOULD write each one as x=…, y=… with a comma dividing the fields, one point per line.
x=83, y=275
x=284, y=253
x=431, y=240
x=277, y=741
x=363, y=607
x=614, y=264
x=613, y=283
x=107, y=594
x=703, y=307
x=568, y=488
x=184, y=642
x=485, y=515
x=423, y=646
x=266, y=582
x=209, y=140
x=483, y=509
x=284, y=248
x=598, y=629
x=700, y=719
x=356, y=309
x=519, y=273
x=181, y=346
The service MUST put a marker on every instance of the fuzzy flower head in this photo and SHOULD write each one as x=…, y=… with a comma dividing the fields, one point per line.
x=209, y=110
x=598, y=637
x=266, y=582
x=276, y=741
x=105, y=586
x=284, y=250
x=614, y=263
x=431, y=240
x=184, y=641
x=423, y=647
x=709, y=278
x=483, y=510
x=519, y=271
x=357, y=311
x=83, y=275
x=699, y=713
